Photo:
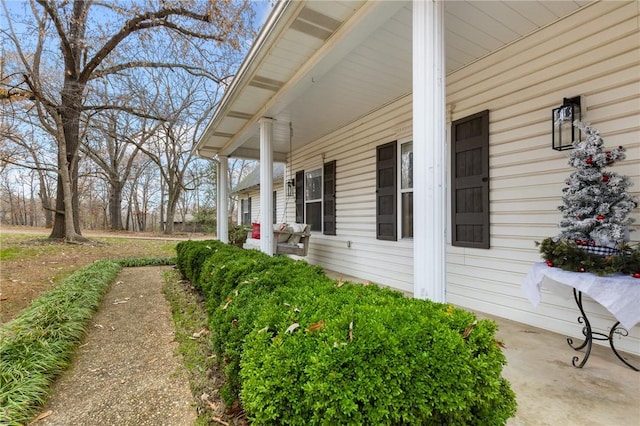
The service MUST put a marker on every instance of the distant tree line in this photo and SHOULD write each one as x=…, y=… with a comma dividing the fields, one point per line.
x=101, y=104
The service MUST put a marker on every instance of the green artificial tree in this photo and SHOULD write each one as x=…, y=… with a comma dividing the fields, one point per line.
x=595, y=212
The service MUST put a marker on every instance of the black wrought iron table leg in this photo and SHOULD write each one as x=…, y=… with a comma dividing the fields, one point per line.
x=586, y=331
x=616, y=329
x=591, y=335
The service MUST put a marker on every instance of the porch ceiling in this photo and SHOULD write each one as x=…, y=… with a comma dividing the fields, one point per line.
x=322, y=64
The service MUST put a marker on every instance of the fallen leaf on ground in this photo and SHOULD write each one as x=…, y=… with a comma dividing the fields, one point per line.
x=226, y=305
x=201, y=333
x=219, y=420
x=292, y=327
x=467, y=331
x=42, y=416
x=317, y=326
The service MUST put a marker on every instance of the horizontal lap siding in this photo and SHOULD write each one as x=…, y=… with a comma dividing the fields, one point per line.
x=354, y=149
x=598, y=58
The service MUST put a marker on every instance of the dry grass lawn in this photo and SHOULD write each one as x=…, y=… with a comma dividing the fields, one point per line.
x=31, y=264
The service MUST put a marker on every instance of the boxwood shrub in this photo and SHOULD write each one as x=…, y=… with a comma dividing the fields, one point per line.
x=300, y=348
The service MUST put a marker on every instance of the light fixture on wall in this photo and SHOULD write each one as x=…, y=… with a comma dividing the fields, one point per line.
x=564, y=133
x=291, y=187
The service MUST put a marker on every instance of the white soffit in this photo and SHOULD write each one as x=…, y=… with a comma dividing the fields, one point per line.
x=335, y=61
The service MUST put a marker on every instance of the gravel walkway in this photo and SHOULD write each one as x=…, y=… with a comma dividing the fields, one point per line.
x=126, y=372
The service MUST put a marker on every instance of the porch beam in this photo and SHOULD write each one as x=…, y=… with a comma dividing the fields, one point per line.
x=254, y=154
x=266, y=185
x=429, y=151
x=223, y=199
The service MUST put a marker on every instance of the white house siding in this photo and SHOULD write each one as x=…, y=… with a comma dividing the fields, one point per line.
x=255, y=202
x=598, y=58
x=354, y=149
x=520, y=84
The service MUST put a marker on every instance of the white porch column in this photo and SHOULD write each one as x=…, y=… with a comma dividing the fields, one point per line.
x=266, y=185
x=429, y=151
x=223, y=199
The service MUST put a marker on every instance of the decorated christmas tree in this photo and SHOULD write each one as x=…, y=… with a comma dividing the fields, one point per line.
x=596, y=202
x=595, y=212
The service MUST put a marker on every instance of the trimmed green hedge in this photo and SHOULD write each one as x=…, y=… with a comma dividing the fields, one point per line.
x=300, y=348
x=37, y=345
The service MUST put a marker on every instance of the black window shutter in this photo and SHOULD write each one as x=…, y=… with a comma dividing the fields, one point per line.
x=250, y=218
x=300, y=196
x=470, y=181
x=386, y=188
x=329, y=198
x=275, y=206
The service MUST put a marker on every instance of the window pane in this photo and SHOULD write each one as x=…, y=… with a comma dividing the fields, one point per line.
x=313, y=185
x=406, y=165
x=314, y=216
x=407, y=215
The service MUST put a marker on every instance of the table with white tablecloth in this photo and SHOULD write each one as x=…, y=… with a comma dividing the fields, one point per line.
x=618, y=293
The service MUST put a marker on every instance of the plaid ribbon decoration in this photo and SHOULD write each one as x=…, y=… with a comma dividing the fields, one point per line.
x=600, y=250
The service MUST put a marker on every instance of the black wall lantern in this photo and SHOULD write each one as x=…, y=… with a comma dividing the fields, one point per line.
x=563, y=130
x=291, y=187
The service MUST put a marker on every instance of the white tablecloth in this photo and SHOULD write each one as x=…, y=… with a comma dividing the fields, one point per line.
x=619, y=294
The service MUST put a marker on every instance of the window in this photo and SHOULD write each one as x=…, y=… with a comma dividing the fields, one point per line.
x=313, y=199
x=316, y=198
x=245, y=207
x=470, y=181
x=394, y=215
x=406, y=190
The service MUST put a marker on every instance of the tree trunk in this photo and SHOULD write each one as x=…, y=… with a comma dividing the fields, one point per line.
x=171, y=212
x=67, y=220
x=115, y=204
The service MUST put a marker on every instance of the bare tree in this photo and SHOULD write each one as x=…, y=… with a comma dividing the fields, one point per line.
x=89, y=42
x=110, y=147
x=170, y=146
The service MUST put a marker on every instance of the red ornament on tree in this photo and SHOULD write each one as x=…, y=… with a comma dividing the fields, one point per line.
x=600, y=217
x=636, y=275
x=581, y=269
x=608, y=154
x=549, y=263
x=589, y=160
x=605, y=178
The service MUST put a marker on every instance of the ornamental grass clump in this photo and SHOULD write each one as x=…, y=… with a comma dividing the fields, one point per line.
x=37, y=346
x=300, y=348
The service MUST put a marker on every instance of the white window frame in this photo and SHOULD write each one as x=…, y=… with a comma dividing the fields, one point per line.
x=400, y=190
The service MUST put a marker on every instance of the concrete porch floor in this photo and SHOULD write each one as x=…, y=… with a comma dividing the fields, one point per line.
x=550, y=391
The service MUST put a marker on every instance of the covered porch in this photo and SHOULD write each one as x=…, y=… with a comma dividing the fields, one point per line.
x=550, y=391
x=333, y=82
